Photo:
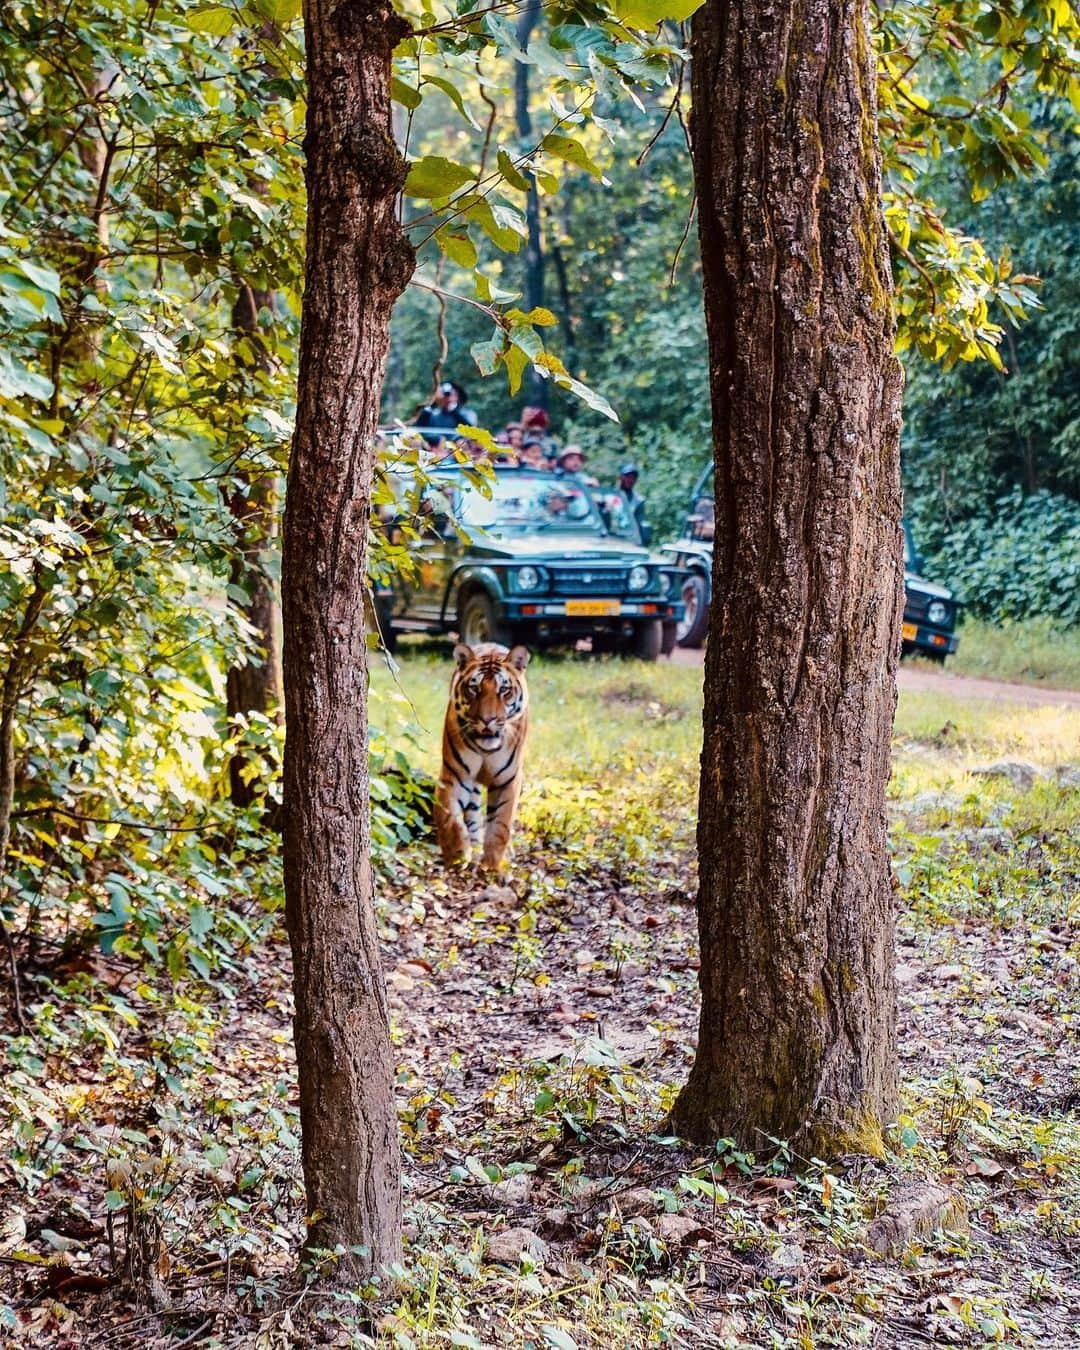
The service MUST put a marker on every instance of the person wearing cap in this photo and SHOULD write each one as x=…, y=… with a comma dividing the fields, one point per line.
x=444, y=413
x=532, y=454
x=634, y=501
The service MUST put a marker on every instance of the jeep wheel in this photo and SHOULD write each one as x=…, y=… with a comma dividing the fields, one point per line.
x=671, y=637
x=695, y=622
x=647, y=640
x=478, y=622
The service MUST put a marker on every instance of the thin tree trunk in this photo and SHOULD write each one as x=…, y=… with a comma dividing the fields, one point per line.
x=528, y=18
x=798, y=1036
x=254, y=686
x=11, y=690
x=358, y=263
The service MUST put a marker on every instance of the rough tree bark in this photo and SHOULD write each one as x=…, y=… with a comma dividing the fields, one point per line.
x=797, y=1032
x=358, y=263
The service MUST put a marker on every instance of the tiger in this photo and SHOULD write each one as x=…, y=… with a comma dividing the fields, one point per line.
x=487, y=722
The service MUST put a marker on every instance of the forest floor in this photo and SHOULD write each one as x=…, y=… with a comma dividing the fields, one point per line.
x=542, y=1026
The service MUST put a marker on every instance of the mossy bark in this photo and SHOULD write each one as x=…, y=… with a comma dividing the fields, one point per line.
x=798, y=1032
x=358, y=262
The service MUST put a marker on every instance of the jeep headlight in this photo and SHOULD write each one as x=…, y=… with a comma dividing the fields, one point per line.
x=638, y=580
x=665, y=582
x=938, y=612
x=528, y=578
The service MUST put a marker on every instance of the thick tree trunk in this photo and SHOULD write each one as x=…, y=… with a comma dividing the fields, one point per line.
x=358, y=263
x=529, y=17
x=795, y=906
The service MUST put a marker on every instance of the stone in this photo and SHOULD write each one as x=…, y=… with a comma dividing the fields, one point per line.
x=675, y=1229
x=513, y=1190
x=1018, y=772
x=638, y=1201
x=915, y=1211
x=507, y=1248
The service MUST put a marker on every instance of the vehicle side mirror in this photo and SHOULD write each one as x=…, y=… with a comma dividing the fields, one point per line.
x=646, y=533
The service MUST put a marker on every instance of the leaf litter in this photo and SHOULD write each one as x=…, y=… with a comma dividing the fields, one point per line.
x=151, y=1195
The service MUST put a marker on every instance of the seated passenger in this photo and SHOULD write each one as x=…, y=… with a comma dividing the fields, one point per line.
x=532, y=455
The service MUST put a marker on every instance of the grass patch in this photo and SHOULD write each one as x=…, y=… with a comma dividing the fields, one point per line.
x=1033, y=651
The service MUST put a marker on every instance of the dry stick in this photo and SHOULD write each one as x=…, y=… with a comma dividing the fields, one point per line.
x=909, y=257
x=440, y=331
x=666, y=118
x=110, y=820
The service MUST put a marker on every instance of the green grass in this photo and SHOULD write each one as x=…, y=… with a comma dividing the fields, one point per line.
x=1033, y=651
x=588, y=714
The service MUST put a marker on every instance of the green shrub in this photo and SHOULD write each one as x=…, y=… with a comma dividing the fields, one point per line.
x=1019, y=562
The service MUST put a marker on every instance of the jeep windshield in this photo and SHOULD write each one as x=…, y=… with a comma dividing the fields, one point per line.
x=527, y=503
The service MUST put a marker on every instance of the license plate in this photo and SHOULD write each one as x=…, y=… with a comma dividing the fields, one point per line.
x=909, y=632
x=593, y=608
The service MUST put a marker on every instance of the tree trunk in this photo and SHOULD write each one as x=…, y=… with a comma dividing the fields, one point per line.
x=358, y=263
x=256, y=685
x=798, y=1035
x=538, y=389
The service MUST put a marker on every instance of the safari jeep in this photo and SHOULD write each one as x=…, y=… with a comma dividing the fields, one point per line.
x=540, y=562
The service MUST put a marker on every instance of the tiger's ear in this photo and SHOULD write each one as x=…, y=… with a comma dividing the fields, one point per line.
x=519, y=657
x=463, y=655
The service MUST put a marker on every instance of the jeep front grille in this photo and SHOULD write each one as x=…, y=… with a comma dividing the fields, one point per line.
x=588, y=580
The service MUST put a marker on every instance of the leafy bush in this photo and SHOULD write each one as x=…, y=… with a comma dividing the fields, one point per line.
x=1021, y=561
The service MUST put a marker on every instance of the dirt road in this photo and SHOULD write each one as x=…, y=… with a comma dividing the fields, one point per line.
x=919, y=680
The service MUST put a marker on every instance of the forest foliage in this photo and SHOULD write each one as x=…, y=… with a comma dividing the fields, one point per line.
x=151, y=252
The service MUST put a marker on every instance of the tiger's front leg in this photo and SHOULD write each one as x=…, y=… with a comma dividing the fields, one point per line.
x=452, y=825
x=501, y=810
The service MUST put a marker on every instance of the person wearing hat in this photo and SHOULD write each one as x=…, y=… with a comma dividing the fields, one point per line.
x=634, y=501
x=570, y=463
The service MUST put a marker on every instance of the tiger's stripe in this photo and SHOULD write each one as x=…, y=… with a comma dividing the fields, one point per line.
x=487, y=722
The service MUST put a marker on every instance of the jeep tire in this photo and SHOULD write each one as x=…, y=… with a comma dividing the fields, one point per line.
x=478, y=622
x=648, y=640
x=695, y=622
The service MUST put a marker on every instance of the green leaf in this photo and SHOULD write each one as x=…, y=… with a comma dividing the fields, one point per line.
x=434, y=176
x=496, y=224
x=44, y=278
x=486, y=354
x=528, y=339
x=458, y=248
x=406, y=94
x=454, y=95
x=281, y=12
x=511, y=173
x=559, y=1339
x=573, y=152
x=216, y=20
x=202, y=920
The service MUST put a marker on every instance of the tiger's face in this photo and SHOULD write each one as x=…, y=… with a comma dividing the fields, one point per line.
x=489, y=691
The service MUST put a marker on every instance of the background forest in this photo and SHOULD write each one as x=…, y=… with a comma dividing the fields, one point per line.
x=152, y=217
